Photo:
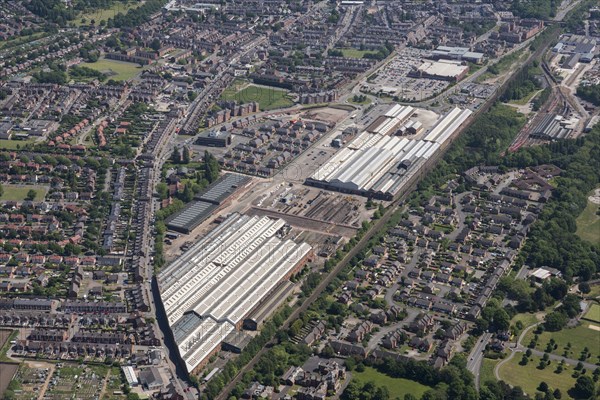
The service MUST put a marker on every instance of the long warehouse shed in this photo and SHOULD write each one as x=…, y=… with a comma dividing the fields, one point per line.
x=379, y=165
x=206, y=203
x=224, y=278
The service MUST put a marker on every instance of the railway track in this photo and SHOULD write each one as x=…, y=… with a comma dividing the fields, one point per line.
x=377, y=226
x=558, y=103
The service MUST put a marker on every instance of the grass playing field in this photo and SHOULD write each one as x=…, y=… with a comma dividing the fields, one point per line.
x=588, y=223
x=487, y=370
x=19, y=192
x=267, y=98
x=398, y=387
x=116, y=70
x=105, y=13
x=580, y=337
x=593, y=314
x=14, y=144
x=354, y=53
x=529, y=376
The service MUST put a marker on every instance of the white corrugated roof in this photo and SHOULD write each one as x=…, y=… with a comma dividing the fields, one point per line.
x=216, y=283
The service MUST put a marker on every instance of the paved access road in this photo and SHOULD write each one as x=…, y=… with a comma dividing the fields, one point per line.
x=476, y=357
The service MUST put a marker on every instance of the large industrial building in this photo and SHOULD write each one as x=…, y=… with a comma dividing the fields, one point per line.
x=457, y=53
x=379, y=165
x=224, y=279
x=445, y=70
x=206, y=203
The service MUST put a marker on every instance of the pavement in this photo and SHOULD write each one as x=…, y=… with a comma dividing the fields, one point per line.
x=476, y=357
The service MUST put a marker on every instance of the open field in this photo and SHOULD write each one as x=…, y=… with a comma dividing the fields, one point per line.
x=4, y=335
x=105, y=13
x=503, y=64
x=19, y=192
x=14, y=144
x=595, y=293
x=7, y=371
x=116, y=70
x=20, y=40
x=487, y=370
x=524, y=100
x=398, y=387
x=365, y=102
x=267, y=98
x=593, y=314
x=526, y=319
x=354, y=53
x=529, y=376
x=588, y=223
x=580, y=337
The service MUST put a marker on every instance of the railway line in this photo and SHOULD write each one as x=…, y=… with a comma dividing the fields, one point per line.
x=380, y=223
x=559, y=103
x=373, y=230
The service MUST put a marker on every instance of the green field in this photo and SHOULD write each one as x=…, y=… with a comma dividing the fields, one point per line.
x=526, y=319
x=354, y=53
x=14, y=144
x=529, y=376
x=502, y=65
x=20, y=40
x=487, y=370
x=362, y=103
x=19, y=192
x=398, y=387
x=588, y=223
x=105, y=13
x=595, y=293
x=267, y=98
x=579, y=337
x=116, y=70
x=593, y=314
x=525, y=99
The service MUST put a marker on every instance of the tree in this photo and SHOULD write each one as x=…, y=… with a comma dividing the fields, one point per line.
x=328, y=352
x=188, y=194
x=555, y=321
x=350, y=363
x=155, y=45
x=584, y=387
x=557, y=394
x=31, y=194
x=211, y=167
x=176, y=156
x=570, y=305
x=585, y=288
x=186, y=155
x=163, y=190
x=501, y=320
x=543, y=387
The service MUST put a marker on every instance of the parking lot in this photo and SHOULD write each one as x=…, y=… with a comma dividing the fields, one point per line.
x=393, y=80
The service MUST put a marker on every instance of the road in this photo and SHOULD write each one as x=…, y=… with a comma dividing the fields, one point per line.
x=476, y=357
x=377, y=226
x=207, y=96
x=565, y=7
